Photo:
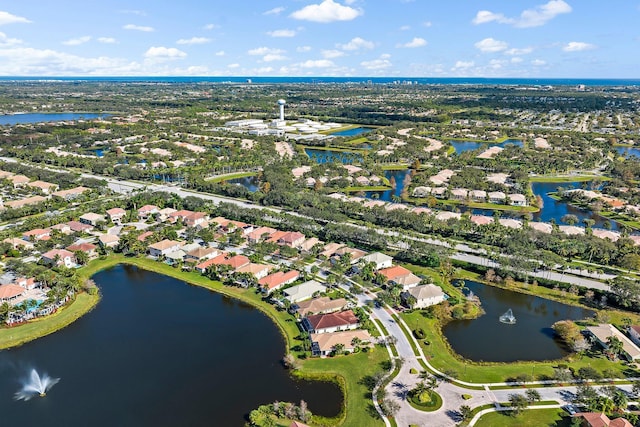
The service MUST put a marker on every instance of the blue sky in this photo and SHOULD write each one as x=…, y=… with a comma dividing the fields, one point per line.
x=405, y=38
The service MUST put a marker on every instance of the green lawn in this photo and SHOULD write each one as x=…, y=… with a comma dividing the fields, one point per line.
x=352, y=189
x=11, y=337
x=231, y=176
x=356, y=369
x=532, y=418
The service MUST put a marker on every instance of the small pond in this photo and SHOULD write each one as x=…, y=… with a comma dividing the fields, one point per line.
x=530, y=338
x=399, y=176
x=327, y=156
x=251, y=183
x=629, y=151
x=353, y=131
x=462, y=146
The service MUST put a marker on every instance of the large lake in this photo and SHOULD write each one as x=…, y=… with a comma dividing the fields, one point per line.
x=13, y=119
x=530, y=338
x=157, y=352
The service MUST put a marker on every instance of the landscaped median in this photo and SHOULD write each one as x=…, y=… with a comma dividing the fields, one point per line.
x=352, y=373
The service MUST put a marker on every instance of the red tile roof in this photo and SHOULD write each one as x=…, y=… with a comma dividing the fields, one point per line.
x=278, y=279
x=332, y=320
x=10, y=291
x=394, y=272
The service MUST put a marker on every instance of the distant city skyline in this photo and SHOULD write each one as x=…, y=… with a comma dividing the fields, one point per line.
x=404, y=38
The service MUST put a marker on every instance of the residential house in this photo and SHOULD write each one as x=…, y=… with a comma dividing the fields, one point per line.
x=459, y=194
x=602, y=332
x=320, y=305
x=146, y=211
x=304, y=291
x=19, y=244
x=58, y=257
x=10, y=292
x=400, y=276
x=144, y=236
x=446, y=216
x=18, y=180
x=379, y=260
x=26, y=283
x=237, y=261
x=324, y=344
x=62, y=228
x=196, y=219
x=45, y=187
x=293, y=239
x=355, y=254
x=277, y=280
x=5, y=174
x=91, y=218
x=497, y=197
x=37, y=234
x=331, y=322
x=88, y=248
x=517, y=200
x=478, y=195
x=179, y=215
x=258, y=271
x=260, y=234
x=202, y=267
x=308, y=244
x=481, y=219
x=600, y=419
x=71, y=193
x=164, y=247
x=439, y=192
x=330, y=248
x=27, y=201
x=109, y=240
x=78, y=227
x=175, y=257
x=116, y=215
x=200, y=254
x=425, y=295
x=164, y=214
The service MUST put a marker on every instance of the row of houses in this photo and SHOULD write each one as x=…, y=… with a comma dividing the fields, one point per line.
x=479, y=196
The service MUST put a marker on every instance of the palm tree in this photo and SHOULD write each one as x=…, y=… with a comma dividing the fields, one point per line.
x=614, y=345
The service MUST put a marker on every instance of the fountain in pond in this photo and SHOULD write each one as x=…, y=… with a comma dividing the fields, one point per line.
x=36, y=385
x=508, y=318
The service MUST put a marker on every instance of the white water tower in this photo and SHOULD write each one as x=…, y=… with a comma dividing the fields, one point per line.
x=281, y=103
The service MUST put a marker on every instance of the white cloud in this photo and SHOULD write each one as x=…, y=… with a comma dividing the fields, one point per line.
x=577, y=47
x=416, y=42
x=106, y=40
x=536, y=17
x=77, y=41
x=356, y=43
x=262, y=70
x=164, y=53
x=332, y=53
x=7, y=18
x=47, y=62
x=317, y=63
x=497, y=64
x=233, y=66
x=220, y=53
x=7, y=42
x=274, y=11
x=210, y=27
x=405, y=28
x=463, y=65
x=538, y=62
x=518, y=51
x=133, y=12
x=194, y=40
x=484, y=16
x=138, y=28
x=303, y=48
x=282, y=33
x=273, y=57
x=265, y=51
x=490, y=45
x=516, y=60
x=327, y=11
x=377, y=64
x=427, y=24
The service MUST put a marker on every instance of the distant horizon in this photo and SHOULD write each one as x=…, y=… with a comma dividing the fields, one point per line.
x=587, y=81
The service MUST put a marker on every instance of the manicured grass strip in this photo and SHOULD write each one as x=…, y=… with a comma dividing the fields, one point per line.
x=231, y=176
x=366, y=188
x=18, y=335
x=532, y=418
x=394, y=167
x=434, y=405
